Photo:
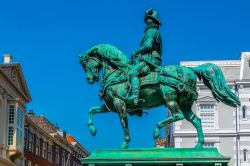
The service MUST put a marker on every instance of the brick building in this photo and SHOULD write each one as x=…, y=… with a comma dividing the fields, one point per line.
x=46, y=145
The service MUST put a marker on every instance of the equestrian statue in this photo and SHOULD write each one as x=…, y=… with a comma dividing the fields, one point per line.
x=128, y=87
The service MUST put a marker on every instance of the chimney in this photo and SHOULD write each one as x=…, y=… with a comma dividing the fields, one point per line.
x=7, y=58
x=31, y=113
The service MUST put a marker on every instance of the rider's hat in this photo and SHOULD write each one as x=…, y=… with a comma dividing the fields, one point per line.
x=153, y=15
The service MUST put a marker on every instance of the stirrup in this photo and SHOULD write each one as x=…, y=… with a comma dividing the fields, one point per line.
x=135, y=100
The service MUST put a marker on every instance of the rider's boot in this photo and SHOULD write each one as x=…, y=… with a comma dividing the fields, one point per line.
x=135, y=83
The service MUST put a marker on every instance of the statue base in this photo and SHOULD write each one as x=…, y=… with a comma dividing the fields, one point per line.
x=157, y=156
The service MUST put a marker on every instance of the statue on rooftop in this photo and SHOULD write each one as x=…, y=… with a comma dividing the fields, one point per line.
x=172, y=86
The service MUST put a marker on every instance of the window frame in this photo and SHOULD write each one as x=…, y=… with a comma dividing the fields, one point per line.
x=38, y=146
x=244, y=112
x=49, y=152
x=208, y=113
x=11, y=124
x=19, y=127
x=25, y=138
x=31, y=141
x=245, y=155
x=57, y=155
x=63, y=157
x=44, y=150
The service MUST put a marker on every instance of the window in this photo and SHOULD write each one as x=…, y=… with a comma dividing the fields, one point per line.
x=11, y=114
x=10, y=135
x=63, y=158
x=57, y=155
x=44, y=152
x=208, y=144
x=19, y=127
x=207, y=115
x=25, y=138
x=245, y=155
x=31, y=137
x=11, y=124
x=37, y=146
x=49, y=153
x=244, y=112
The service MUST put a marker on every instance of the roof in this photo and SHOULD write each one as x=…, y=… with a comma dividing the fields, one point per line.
x=44, y=123
x=17, y=80
x=53, y=130
x=70, y=139
x=232, y=69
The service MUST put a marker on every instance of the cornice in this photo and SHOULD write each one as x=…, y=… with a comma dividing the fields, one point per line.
x=227, y=63
x=14, y=86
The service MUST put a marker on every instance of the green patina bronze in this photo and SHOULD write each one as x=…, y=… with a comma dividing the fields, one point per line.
x=131, y=87
x=148, y=54
x=158, y=156
x=173, y=86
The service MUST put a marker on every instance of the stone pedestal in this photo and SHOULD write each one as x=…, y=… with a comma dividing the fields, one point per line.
x=157, y=156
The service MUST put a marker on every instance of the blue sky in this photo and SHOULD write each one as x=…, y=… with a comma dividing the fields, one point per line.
x=46, y=37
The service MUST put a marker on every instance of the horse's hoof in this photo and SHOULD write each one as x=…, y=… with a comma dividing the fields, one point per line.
x=156, y=133
x=198, y=145
x=92, y=130
x=124, y=145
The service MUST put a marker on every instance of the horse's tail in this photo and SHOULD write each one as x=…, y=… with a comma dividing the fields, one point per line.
x=214, y=79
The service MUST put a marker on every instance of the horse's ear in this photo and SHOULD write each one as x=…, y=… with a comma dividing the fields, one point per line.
x=95, y=50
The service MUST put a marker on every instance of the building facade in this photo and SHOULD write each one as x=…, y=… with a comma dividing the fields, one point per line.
x=47, y=145
x=14, y=95
x=29, y=140
x=226, y=128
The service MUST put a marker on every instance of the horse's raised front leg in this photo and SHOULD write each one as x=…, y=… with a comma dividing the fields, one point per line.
x=170, y=97
x=92, y=111
x=120, y=107
x=196, y=121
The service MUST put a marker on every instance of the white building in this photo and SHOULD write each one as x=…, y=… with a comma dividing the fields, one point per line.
x=219, y=120
x=14, y=95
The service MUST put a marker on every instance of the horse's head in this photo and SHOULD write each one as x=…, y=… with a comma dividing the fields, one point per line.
x=91, y=66
x=102, y=56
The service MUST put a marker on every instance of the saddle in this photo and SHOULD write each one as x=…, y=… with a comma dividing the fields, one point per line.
x=150, y=79
x=154, y=77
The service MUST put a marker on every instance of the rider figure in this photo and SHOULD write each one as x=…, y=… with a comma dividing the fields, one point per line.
x=148, y=55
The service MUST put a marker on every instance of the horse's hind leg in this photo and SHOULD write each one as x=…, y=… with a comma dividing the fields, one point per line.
x=170, y=97
x=174, y=117
x=196, y=121
x=92, y=111
x=120, y=107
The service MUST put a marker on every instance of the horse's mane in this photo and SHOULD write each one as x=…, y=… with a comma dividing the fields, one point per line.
x=113, y=54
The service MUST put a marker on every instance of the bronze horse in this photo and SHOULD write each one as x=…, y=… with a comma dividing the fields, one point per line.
x=172, y=86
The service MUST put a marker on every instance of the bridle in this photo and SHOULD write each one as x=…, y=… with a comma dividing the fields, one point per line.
x=86, y=59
